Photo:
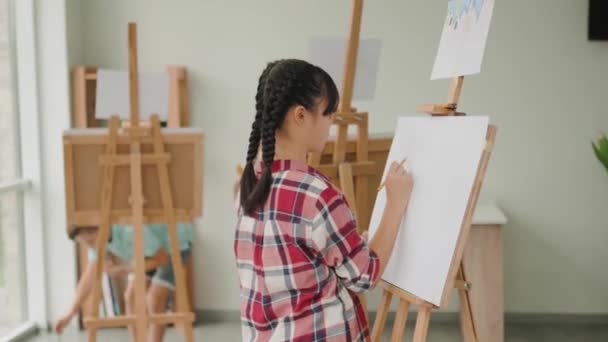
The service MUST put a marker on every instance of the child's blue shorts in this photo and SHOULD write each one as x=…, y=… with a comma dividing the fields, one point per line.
x=163, y=275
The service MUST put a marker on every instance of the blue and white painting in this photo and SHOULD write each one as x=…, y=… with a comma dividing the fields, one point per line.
x=463, y=39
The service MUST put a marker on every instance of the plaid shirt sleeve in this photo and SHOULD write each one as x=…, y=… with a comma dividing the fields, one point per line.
x=335, y=238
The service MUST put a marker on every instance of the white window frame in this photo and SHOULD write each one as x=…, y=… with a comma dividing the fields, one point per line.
x=26, y=78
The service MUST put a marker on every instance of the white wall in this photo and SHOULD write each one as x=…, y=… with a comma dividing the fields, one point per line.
x=543, y=84
x=75, y=36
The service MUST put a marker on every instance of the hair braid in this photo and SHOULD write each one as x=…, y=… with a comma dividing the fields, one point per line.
x=283, y=84
x=249, y=180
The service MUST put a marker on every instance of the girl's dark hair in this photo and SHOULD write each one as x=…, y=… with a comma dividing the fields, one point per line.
x=283, y=84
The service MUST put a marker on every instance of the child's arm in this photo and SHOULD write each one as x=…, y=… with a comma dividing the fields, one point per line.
x=160, y=258
x=398, y=190
x=85, y=284
x=334, y=233
x=155, y=253
x=335, y=239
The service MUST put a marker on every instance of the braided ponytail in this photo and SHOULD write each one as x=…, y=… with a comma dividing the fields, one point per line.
x=287, y=83
x=249, y=180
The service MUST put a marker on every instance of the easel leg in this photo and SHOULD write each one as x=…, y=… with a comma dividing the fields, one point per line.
x=400, y=320
x=104, y=228
x=381, y=316
x=347, y=185
x=141, y=319
x=362, y=181
x=422, y=323
x=176, y=259
x=102, y=237
x=466, y=313
x=92, y=334
x=188, y=333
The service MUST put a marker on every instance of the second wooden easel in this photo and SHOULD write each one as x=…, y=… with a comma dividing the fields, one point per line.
x=135, y=159
x=457, y=275
x=352, y=177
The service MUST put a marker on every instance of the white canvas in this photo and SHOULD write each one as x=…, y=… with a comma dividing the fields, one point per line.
x=443, y=154
x=112, y=95
x=329, y=52
x=463, y=40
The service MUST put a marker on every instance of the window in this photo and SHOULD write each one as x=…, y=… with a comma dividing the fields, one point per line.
x=12, y=266
x=22, y=303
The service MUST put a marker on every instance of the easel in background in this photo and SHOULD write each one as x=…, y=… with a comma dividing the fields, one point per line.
x=456, y=275
x=135, y=160
x=352, y=177
x=84, y=95
x=84, y=84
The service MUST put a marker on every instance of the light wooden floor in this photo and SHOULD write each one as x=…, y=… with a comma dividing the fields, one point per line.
x=439, y=332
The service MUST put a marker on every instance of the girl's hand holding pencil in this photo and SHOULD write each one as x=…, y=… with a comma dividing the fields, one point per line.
x=399, y=184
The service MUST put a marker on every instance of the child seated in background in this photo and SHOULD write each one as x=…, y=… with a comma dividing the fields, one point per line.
x=159, y=271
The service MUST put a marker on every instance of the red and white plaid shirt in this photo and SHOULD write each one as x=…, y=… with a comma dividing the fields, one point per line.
x=300, y=262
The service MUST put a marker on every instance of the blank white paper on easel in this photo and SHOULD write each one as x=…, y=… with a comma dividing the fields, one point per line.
x=329, y=54
x=443, y=154
x=112, y=95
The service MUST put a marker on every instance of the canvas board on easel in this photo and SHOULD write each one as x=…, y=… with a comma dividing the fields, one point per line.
x=443, y=155
x=463, y=39
x=112, y=96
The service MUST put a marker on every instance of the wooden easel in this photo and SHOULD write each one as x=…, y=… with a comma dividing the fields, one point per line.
x=84, y=84
x=457, y=274
x=352, y=177
x=84, y=90
x=136, y=158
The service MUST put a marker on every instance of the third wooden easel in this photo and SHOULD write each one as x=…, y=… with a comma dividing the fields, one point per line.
x=457, y=274
x=135, y=160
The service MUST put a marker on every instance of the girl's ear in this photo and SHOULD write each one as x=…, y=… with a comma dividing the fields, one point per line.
x=299, y=114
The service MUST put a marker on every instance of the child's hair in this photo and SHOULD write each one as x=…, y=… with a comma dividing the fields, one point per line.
x=73, y=233
x=283, y=84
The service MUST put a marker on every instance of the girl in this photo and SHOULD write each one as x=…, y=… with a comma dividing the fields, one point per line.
x=299, y=257
x=159, y=271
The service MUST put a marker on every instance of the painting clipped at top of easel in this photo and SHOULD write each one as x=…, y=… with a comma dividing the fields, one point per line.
x=463, y=39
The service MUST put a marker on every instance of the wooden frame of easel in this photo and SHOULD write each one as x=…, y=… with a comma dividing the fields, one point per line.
x=456, y=275
x=84, y=83
x=352, y=177
x=135, y=159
